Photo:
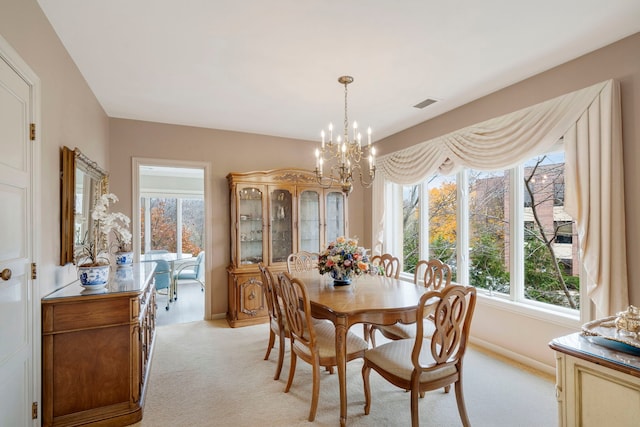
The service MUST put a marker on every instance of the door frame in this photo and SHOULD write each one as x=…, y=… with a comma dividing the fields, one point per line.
x=8, y=54
x=136, y=163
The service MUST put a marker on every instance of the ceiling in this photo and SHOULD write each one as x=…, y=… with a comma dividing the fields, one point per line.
x=271, y=67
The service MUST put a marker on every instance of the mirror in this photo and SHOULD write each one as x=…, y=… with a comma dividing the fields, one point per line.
x=82, y=182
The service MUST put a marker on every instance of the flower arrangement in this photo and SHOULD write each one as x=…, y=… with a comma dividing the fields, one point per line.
x=93, y=250
x=344, y=259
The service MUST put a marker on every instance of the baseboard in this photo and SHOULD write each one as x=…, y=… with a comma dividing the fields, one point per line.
x=218, y=316
x=516, y=357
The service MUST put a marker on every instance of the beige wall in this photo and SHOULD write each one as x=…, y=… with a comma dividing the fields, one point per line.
x=225, y=152
x=70, y=115
x=507, y=329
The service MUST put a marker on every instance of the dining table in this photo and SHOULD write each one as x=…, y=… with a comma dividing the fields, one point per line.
x=175, y=261
x=369, y=299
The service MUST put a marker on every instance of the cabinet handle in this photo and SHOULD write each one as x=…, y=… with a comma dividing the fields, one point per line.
x=252, y=295
x=6, y=274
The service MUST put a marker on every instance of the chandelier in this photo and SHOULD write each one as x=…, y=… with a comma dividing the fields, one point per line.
x=345, y=153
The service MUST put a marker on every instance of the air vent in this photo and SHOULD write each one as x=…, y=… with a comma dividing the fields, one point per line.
x=425, y=103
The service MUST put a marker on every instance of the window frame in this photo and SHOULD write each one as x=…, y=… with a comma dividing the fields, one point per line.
x=515, y=301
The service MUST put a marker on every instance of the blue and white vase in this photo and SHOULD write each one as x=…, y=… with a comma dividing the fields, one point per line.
x=340, y=278
x=124, y=258
x=94, y=275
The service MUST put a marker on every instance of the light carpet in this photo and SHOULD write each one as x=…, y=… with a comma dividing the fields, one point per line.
x=207, y=374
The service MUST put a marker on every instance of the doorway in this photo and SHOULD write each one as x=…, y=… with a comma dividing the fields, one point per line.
x=171, y=204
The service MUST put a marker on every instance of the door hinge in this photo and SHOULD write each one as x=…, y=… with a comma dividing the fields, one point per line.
x=34, y=271
x=34, y=411
x=32, y=131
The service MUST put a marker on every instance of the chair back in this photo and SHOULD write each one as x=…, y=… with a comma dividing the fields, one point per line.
x=451, y=310
x=301, y=261
x=297, y=308
x=390, y=265
x=198, y=269
x=433, y=273
x=162, y=274
x=271, y=294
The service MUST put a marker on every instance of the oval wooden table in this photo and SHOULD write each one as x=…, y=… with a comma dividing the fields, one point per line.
x=371, y=299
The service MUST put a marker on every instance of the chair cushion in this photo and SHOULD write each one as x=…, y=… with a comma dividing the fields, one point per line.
x=395, y=357
x=326, y=340
x=408, y=331
x=186, y=274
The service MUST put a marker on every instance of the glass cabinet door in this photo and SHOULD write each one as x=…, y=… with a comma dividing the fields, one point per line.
x=309, y=217
x=250, y=237
x=281, y=204
x=335, y=215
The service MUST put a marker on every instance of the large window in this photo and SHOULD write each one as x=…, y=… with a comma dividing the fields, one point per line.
x=172, y=220
x=522, y=245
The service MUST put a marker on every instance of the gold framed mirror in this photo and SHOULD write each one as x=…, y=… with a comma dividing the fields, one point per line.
x=82, y=181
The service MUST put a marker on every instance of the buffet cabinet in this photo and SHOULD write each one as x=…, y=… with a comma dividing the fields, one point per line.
x=596, y=385
x=273, y=214
x=96, y=350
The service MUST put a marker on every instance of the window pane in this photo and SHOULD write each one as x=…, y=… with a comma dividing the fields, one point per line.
x=442, y=220
x=410, y=227
x=489, y=230
x=162, y=223
x=551, y=244
x=192, y=226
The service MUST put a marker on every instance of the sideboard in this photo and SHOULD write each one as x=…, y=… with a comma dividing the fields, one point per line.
x=96, y=349
x=595, y=385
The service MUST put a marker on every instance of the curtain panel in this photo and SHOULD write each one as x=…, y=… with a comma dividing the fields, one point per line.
x=589, y=120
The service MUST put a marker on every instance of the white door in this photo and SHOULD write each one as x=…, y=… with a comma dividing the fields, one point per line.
x=16, y=309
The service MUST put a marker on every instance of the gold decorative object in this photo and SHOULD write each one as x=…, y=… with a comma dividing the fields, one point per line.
x=346, y=152
x=629, y=320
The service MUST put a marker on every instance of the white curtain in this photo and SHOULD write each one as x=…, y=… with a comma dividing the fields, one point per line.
x=589, y=121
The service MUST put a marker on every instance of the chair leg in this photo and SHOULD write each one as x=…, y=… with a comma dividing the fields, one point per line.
x=316, y=390
x=462, y=409
x=280, y=356
x=292, y=371
x=372, y=336
x=366, y=370
x=366, y=331
x=272, y=339
x=415, y=413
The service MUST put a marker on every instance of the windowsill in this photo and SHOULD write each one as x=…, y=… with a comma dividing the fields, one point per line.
x=567, y=320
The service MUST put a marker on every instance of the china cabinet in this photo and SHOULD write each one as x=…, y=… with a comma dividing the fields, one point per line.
x=596, y=385
x=96, y=350
x=275, y=213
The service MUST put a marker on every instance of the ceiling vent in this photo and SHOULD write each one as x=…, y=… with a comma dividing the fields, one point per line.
x=425, y=103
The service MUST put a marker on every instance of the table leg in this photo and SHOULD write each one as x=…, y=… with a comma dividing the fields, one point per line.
x=341, y=360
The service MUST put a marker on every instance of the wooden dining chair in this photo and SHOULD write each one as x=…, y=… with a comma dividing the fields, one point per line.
x=420, y=364
x=313, y=342
x=301, y=261
x=277, y=323
x=434, y=275
x=389, y=265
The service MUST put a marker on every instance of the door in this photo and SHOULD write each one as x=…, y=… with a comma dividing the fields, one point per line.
x=16, y=296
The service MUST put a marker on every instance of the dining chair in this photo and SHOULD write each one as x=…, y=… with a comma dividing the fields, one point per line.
x=389, y=266
x=192, y=270
x=301, y=261
x=162, y=279
x=313, y=342
x=434, y=275
x=277, y=322
x=420, y=364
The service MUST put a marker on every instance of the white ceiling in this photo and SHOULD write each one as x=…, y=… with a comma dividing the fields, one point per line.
x=271, y=67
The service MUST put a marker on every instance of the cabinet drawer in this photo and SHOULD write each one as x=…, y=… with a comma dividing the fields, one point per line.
x=86, y=314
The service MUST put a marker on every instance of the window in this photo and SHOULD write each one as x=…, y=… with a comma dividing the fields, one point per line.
x=522, y=245
x=432, y=235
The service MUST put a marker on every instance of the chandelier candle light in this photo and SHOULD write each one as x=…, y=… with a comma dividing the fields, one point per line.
x=346, y=152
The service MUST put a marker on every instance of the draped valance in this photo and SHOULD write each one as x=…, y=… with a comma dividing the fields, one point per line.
x=589, y=121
